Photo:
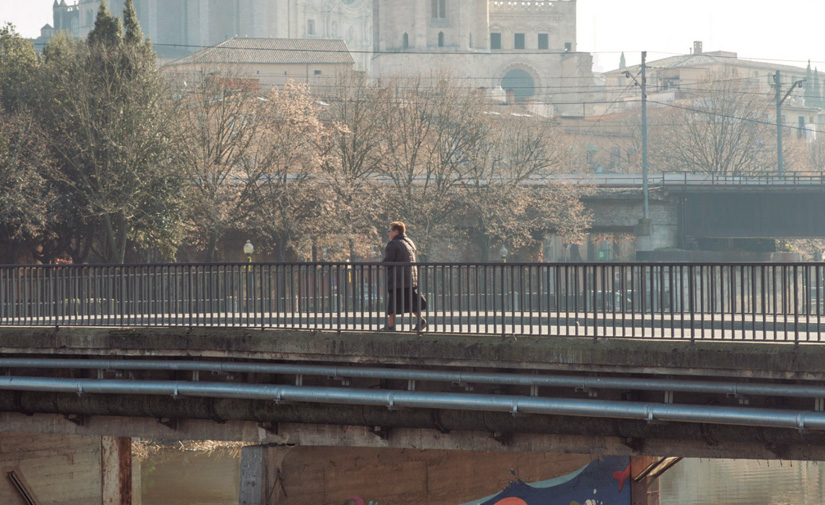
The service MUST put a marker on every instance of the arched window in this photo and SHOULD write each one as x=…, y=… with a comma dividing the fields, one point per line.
x=406, y=43
x=520, y=83
x=440, y=39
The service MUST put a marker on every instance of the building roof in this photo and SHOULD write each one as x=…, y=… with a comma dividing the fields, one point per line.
x=708, y=59
x=272, y=51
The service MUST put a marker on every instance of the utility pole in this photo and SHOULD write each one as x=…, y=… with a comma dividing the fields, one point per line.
x=645, y=213
x=642, y=83
x=778, y=86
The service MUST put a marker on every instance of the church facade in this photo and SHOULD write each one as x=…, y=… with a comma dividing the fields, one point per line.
x=528, y=48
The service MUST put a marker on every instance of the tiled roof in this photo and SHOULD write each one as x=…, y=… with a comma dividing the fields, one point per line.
x=273, y=51
x=705, y=59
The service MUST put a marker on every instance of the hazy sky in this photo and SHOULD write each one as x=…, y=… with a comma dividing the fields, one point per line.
x=789, y=32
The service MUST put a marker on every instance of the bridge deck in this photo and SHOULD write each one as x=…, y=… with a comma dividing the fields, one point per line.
x=192, y=377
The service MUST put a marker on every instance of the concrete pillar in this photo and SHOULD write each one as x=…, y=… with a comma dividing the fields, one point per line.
x=260, y=474
x=116, y=471
x=646, y=490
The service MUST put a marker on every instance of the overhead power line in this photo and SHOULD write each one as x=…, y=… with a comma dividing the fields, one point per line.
x=450, y=52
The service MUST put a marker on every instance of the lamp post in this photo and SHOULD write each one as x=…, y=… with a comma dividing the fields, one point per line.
x=503, y=251
x=248, y=249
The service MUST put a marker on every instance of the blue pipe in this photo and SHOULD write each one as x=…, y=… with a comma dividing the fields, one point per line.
x=413, y=399
x=684, y=386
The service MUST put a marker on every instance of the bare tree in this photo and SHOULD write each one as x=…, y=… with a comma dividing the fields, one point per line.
x=725, y=130
x=431, y=133
x=290, y=204
x=351, y=159
x=816, y=155
x=218, y=138
x=508, y=196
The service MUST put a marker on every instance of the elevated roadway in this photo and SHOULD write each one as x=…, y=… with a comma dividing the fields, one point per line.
x=470, y=392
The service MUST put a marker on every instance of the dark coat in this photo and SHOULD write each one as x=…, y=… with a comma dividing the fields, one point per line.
x=401, y=250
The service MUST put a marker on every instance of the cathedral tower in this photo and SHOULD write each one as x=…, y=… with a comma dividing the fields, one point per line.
x=448, y=25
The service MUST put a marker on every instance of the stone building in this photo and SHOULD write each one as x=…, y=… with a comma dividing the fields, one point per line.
x=526, y=48
x=269, y=62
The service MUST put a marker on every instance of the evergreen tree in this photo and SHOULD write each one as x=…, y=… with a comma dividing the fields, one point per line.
x=134, y=35
x=810, y=93
x=822, y=93
x=816, y=90
x=107, y=30
x=622, y=62
x=102, y=106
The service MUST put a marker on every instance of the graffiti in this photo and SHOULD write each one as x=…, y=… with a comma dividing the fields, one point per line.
x=601, y=482
x=355, y=500
x=622, y=476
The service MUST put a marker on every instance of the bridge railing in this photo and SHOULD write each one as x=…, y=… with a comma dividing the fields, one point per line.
x=751, y=301
x=773, y=180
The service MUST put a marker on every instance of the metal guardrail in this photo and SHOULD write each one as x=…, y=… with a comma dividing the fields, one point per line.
x=696, y=301
x=685, y=180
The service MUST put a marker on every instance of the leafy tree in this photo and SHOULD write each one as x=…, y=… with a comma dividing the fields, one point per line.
x=103, y=105
x=25, y=199
x=18, y=61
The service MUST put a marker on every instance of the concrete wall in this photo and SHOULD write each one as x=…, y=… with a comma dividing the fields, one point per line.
x=623, y=215
x=64, y=469
x=268, y=76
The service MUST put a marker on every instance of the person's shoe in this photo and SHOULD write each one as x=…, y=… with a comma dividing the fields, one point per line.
x=421, y=326
x=388, y=328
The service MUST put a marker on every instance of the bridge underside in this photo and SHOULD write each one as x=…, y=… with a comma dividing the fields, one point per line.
x=430, y=423
x=375, y=427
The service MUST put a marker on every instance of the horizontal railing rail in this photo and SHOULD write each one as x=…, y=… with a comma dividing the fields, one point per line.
x=697, y=301
x=809, y=181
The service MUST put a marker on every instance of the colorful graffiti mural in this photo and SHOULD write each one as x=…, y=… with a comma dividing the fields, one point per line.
x=602, y=482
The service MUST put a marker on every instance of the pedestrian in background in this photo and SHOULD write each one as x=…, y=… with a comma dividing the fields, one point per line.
x=402, y=280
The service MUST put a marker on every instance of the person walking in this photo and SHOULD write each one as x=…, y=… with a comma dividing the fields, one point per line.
x=402, y=280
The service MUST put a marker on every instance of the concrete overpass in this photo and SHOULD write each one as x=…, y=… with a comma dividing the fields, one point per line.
x=687, y=207
x=520, y=360
x=279, y=389
x=449, y=391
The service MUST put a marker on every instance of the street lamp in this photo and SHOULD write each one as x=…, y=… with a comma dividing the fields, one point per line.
x=503, y=252
x=248, y=249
